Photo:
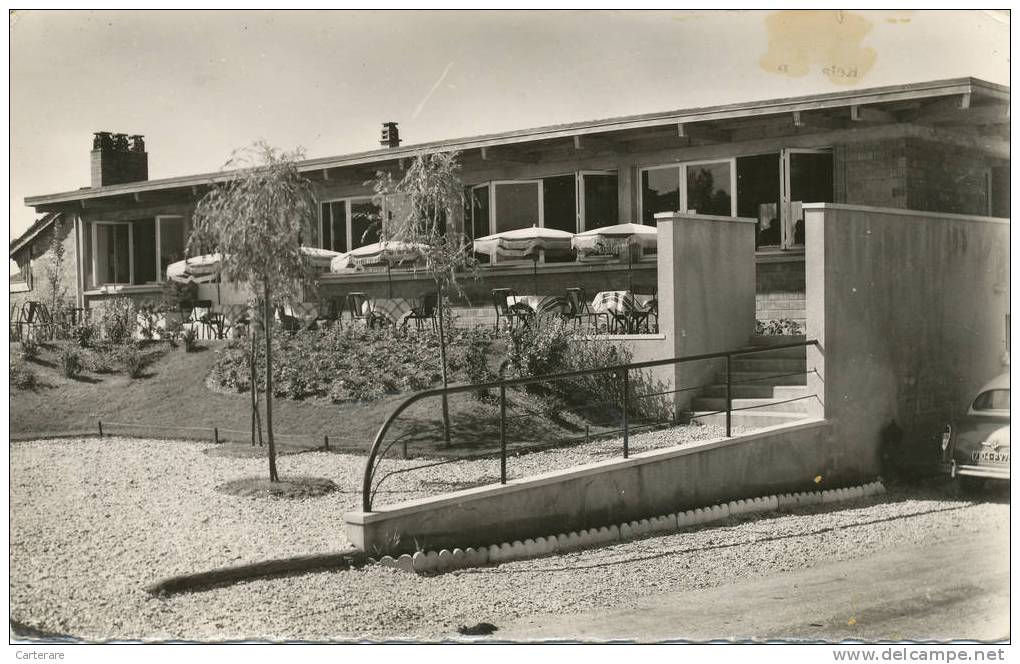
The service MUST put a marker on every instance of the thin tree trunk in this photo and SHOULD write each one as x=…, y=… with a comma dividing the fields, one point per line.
x=442, y=365
x=268, y=317
x=256, y=417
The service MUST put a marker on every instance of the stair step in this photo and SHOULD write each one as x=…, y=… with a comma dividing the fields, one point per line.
x=751, y=418
x=764, y=362
x=775, y=339
x=763, y=378
x=712, y=404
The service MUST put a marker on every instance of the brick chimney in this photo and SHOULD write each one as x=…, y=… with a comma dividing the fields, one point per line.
x=390, y=135
x=118, y=159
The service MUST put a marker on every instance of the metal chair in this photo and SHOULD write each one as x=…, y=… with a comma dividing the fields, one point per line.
x=332, y=311
x=362, y=309
x=425, y=311
x=581, y=309
x=510, y=313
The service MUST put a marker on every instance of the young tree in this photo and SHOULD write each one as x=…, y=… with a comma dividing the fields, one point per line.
x=257, y=220
x=429, y=197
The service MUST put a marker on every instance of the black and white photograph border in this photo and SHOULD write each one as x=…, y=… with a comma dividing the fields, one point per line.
x=510, y=326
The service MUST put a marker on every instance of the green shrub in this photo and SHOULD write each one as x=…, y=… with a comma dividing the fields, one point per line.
x=134, y=363
x=21, y=377
x=148, y=323
x=356, y=363
x=116, y=318
x=84, y=334
x=779, y=326
x=29, y=348
x=99, y=360
x=70, y=361
x=555, y=347
x=189, y=338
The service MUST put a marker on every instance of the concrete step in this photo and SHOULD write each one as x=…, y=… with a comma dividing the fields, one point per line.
x=712, y=404
x=762, y=378
x=764, y=362
x=751, y=418
x=752, y=391
x=775, y=339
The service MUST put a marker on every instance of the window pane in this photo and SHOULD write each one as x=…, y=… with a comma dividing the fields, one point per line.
x=708, y=189
x=327, y=226
x=365, y=219
x=992, y=400
x=338, y=226
x=171, y=242
x=600, y=200
x=660, y=192
x=145, y=251
x=480, y=212
x=112, y=259
x=559, y=200
x=758, y=196
x=810, y=182
x=516, y=206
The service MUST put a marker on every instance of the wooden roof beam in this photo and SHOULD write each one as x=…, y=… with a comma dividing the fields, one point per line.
x=870, y=115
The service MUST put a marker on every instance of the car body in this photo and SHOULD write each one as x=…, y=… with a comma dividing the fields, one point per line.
x=976, y=446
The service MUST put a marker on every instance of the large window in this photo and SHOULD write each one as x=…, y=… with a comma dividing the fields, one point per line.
x=111, y=253
x=349, y=223
x=572, y=202
x=758, y=195
x=517, y=205
x=134, y=252
x=704, y=188
x=807, y=179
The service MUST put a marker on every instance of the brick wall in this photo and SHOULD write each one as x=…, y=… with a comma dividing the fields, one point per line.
x=780, y=291
x=872, y=174
x=915, y=174
x=41, y=259
x=947, y=178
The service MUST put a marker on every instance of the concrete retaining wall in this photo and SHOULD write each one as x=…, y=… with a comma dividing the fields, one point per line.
x=772, y=461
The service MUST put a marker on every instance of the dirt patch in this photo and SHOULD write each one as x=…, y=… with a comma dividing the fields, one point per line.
x=293, y=487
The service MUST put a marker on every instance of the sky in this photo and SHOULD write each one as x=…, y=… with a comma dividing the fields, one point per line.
x=199, y=84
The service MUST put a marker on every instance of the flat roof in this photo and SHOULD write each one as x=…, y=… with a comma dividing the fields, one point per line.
x=892, y=93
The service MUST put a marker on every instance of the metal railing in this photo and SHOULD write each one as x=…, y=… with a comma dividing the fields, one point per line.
x=624, y=372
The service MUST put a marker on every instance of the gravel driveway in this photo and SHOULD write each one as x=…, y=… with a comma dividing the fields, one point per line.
x=93, y=521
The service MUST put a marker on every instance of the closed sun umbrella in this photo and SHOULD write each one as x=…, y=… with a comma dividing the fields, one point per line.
x=614, y=239
x=524, y=243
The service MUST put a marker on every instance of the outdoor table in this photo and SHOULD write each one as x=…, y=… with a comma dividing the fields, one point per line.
x=625, y=307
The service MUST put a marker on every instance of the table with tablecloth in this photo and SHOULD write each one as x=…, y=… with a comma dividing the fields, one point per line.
x=627, y=309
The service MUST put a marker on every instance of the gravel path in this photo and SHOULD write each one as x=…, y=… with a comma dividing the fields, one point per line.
x=93, y=521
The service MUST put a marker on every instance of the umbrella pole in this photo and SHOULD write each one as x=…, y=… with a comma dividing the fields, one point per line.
x=389, y=279
x=534, y=273
x=630, y=269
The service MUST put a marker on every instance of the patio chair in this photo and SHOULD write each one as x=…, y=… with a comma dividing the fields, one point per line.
x=510, y=313
x=580, y=309
x=331, y=311
x=363, y=309
x=288, y=321
x=424, y=311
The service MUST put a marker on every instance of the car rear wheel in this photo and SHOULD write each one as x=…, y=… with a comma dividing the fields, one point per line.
x=969, y=486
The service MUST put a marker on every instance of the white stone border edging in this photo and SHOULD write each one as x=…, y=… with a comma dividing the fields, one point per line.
x=446, y=560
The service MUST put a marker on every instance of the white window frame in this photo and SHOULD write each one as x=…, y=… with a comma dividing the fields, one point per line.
x=682, y=182
x=582, y=215
x=494, y=215
x=349, y=202
x=160, y=268
x=131, y=253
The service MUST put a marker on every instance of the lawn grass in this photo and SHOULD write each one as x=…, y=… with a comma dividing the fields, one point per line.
x=172, y=400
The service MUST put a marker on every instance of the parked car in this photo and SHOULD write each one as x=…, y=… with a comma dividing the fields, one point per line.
x=975, y=447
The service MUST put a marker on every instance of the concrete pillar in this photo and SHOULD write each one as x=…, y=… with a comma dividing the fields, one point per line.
x=814, y=296
x=706, y=290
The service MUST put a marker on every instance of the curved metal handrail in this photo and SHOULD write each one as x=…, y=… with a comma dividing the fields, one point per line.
x=366, y=502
